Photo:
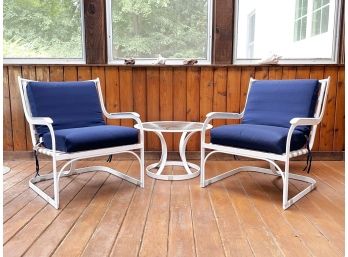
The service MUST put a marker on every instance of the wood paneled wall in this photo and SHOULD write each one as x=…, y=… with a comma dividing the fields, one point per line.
x=173, y=93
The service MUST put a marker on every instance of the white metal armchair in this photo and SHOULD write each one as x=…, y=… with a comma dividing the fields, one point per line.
x=66, y=123
x=279, y=122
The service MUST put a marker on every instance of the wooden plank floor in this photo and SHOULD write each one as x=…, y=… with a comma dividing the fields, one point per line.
x=101, y=215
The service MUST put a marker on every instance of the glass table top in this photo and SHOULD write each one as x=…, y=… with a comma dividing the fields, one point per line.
x=173, y=126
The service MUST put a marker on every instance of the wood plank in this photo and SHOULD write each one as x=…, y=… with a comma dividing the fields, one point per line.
x=233, y=92
x=42, y=73
x=30, y=211
x=333, y=232
x=261, y=241
x=289, y=72
x=275, y=72
x=286, y=238
x=192, y=104
x=19, y=173
x=73, y=199
x=99, y=72
x=14, y=180
x=95, y=31
x=220, y=94
x=112, y=100
x=328, y=122
x=339, y=135
x=28, y=72
x=305, y=230
x=79, y=228
x=126, y=93
x=153, y=109
x=180, y=240
x=206, y=95
x=166, y=101
x=7, y=136
x=70, y=73
x=206, y=233
x=303, y=72
x=17, y=113
x=179, y=100
x=261, y=73
x=157, y=222
x=139, y=92
x=247, y=73
x=23, y=196
x=56, y=73
x=109, y=226
x=233, y=237
x=206, y=92
x=317, y=73
x=84, y=73
x=128, y=241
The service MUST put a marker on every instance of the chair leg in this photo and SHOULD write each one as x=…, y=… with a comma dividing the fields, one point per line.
x=54, y=175
x=286, y=185
x=142, y=168
x=202, y=179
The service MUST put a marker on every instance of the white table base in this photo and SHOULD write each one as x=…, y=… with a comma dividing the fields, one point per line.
x=183, y=163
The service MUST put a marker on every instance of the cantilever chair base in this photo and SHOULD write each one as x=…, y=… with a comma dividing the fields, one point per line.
x=274, y=170
x=76, y=171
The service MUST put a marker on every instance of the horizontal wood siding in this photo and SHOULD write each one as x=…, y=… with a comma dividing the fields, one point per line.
x=178, y=93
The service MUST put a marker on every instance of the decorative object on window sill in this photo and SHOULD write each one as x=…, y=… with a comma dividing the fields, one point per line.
x=160, y=60
x=129, y=61
x=5, y=169
x=271, y=59
x=190, y=61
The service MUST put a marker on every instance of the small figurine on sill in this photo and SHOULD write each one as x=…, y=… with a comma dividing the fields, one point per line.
x=160, y=60
x=191, y=61
x=129, y=61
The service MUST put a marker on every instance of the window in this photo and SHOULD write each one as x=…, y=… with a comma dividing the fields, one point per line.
x=300, y=20
x=43, y=31
x=251, y=34
x=300, y=31
x=175, y=29
x=320, y=16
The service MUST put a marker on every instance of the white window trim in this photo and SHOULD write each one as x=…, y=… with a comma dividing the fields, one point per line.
x=38, y=60
x=149, y=61
x=335, y=46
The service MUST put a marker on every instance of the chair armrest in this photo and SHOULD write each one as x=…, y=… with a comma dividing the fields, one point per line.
x=304, y=121
x=224, y=115
x=299, y=122
x=40, y=121
x=123, y=115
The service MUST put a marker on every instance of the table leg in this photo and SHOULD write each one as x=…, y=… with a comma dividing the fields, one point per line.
x=183, y=163
x=182, y=149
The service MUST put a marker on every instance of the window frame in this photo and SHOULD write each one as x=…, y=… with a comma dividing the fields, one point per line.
x=150, y=61
x=335, y=45
x=38, y=60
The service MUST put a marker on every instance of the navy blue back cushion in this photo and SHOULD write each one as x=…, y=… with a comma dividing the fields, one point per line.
x=276, y=102
x=69, y=104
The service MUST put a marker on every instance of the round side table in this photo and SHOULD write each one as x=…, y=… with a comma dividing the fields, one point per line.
x=187, y=129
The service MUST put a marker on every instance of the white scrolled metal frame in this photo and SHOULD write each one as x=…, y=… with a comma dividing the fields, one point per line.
x=72, y=158
x=271, y=158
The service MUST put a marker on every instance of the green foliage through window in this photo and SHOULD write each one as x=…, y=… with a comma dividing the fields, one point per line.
x=172, y=28
x=42, y=29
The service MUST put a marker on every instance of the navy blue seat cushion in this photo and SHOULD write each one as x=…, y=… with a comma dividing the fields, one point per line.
x=257, y=137
x=276, y=102
x=69, y=104
x=90, y=138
